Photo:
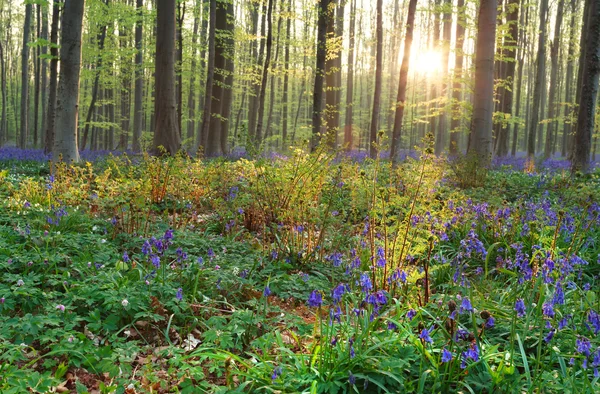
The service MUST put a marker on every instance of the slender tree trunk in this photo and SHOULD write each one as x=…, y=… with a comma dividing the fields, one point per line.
x=378, y=77
x=227, y=97
x=552, y=105
x=265, y=73
x=350, y=81
x=191, y=103
x=480, y=142
x=213, y=146
x=589, y=90
x=521, y=45
x=538, y=87
x=125, y=96
x=138, y=110
x=324, y=15
x=457, y=114
x=179, y=62
x=567, y=127
x=210, y=76
x=95, y=87
x=24, y=132
x=166, y=132
x=52, y=87
x=446, y=35
x=286, y=78
x=402, y=82
x=67, y=107
x=44, y=71
x=274, y=79
x=38, y=75
x=3, y=120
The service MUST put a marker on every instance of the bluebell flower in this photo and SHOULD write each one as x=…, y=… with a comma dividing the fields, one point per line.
x=520, y=307
x=381, y=261
x=179, y=294
x=548, y=310
x=267, y=291
x=125, y=257
x=351, y=379
x=465, y=305
x=559, y=295
x=365, y=282
x=338, y=292
x=276, y=373
x=411, y=314
x=315, y=299
x=490, y=322
x=583, y=346
x=550, y=335
x=425, y=335
x=446, y=355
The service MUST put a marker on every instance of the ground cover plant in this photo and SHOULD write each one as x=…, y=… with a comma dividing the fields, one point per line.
x=304, y=273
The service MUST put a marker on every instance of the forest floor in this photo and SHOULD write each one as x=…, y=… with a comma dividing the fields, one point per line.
x=305, y=273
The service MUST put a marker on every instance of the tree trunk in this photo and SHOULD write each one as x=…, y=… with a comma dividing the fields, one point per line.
x=52, y=87
x=402, y=82
x=324, y=15
x=98, y=67
x=446, y=36
x=589, y=90
x=179, y=63
x=457, y=114
x=552, y=105
x=286, y=78
x=229, y=77
x=38, y=75
x=67, y=108
x=191, y=103
x=521, y=45
x=350, y=81
x=166, y=132
x=378, y=76
x=213, y=146
x=138, y=110
x=265, y=73
x=24, y=132
x=567, y=127
x=538, y=87
x=3, y=120
x=480, y=141
x=125, y=96
x=210, y=76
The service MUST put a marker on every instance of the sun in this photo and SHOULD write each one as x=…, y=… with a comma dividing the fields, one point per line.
x=427, y=62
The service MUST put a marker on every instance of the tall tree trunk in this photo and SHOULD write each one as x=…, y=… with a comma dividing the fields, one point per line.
x=191, y=103
x=589, y=90
x=274, y=80
x=38, y=75
x=521, y=45
x=52, y=87
x=265, y=73
x=552, y=104
x=378, y=77
x=350, y=81
x=3, y=120
x=402, y=82
x=213, y=146
x=446, y=36
x=538, y=87
x=166, y=132
x=433, y=120
x=257, y=58
x=332, y=118
x=339, y=33
x=44, y=71
x=510, y=50
x=138, y=110
x=227, y=98
x=286, y=78
x=24, y=132
x=567, y=127
x=125, y=96
x=210, y=76
x=179, y=62
x=480, y=141
x=95, y=87
x=324, y=15
x=457, y=114
x=65, y=142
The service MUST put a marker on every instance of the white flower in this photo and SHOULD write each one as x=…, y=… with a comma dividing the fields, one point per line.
x=20, y=282
x=125, y=303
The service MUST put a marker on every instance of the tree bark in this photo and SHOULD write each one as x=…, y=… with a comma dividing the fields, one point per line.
x=480, y=142
x=138, y=110
x=457, y=114
x=24, y=131
x=589, y=90
x=265, y=73
x=191, y=103
x=67, y=107
x=446, y=36
x=567, y=127
x=402, y=82
x=378, y=77
x=213, y=146
x=538, y=86
x=52, y=87
x=521, y=44
x=166, y=132
x=322, y=23
x=552, y=105
x=286, y=78
x=350, y=81
x=227, y=97
x=3, y=120
x=210, y=75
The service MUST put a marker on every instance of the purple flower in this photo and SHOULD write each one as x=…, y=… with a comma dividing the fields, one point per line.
x=125, y=257
x=559, y=295
x=267, y=291
x=490, y=322
x=465, y=305
x=446, y=356
x=60, y=307
x=549, y=336
x=548, y=310
x=276, y=373
x=315, y=299
x=425, y=335
x=179, y=294
x=351, y=379
x=381, y=257
x=520, y=307
x=2, y=300
x=411, y=314
x=338, y=292
x=583, y=346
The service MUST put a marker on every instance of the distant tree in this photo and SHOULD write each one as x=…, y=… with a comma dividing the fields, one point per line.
x=552, y=102
x=210, y=76
x=23, y=135
x=402, y=82
x=138, y=110
x=567, y=127
x=350, y=80
x=258, y=135
x=480, y=141
x=378, y=77
x=324, y=12
x=457, y=85
x=53, y=79
x=3, y=123
x=67, y=103
x=589, y=89
x=166, y=132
